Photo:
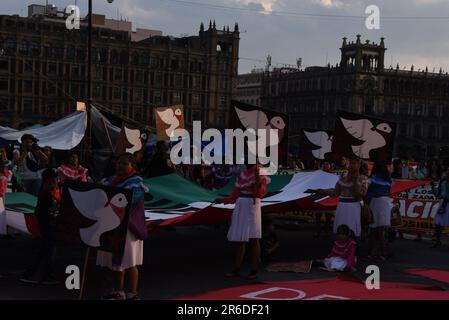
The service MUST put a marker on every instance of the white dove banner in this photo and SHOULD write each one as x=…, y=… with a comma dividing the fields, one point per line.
x=131, y=140
x=168, y=119
x=248, y=117
x=315, y=144
x=94, y=215
x=367, y=138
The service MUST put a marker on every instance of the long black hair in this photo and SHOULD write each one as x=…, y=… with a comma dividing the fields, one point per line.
x=380, y=169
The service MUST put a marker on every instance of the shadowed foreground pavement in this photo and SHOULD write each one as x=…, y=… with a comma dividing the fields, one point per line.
x=193, y=260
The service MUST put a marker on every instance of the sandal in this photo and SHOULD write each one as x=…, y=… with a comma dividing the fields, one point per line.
x=437, y=244
x=233, y=274
x=252, y=275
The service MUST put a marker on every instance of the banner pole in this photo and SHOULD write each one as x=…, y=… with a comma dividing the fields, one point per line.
x=83, y=279
x=107, y=134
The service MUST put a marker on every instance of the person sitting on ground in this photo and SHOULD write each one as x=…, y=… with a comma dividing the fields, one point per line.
x=343, y=254
x=72, y=170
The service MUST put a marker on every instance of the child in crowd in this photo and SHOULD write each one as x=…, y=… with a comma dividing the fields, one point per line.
x=343, y=254
x=47, y=208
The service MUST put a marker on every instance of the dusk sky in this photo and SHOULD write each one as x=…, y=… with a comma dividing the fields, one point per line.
x=416, y=31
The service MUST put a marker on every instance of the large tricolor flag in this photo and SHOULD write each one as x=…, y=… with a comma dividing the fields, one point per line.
x=173, y=200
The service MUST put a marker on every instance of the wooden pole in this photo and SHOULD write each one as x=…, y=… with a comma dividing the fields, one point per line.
x=83, y=279
x=107, y=134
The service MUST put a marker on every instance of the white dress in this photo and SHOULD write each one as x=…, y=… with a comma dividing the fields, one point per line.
x=132, y=255
x=337, y=263
x=3, y=226
x=442, y=219
x=381, y=208
x=246, y=221
x=348, y=213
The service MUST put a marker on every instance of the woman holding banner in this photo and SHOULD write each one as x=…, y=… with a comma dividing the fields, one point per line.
x=127, y=178
x=350, y=188
x=441, y=219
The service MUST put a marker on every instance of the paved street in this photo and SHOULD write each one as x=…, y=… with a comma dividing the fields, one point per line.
x=193, y=260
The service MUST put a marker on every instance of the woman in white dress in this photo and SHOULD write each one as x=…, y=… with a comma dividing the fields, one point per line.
x=380, y=203
x=350, y=188
x=246, y=224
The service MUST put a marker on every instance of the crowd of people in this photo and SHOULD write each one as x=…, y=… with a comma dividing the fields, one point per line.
x=364, y=203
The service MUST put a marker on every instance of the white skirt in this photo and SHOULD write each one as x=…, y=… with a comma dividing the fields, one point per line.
x=337, y=263
x=246, y=221
x=442, y=219
x=132, y=255
x=348, y=213
x=381, y=208
x=3, y=225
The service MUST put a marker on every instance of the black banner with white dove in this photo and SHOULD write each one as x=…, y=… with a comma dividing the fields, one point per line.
x=364, y=137
x=94, y=215
x=245, y=116
x=131, y=140
x=315, y=144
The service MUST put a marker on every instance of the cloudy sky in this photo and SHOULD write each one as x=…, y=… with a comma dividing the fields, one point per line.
x=416, y=31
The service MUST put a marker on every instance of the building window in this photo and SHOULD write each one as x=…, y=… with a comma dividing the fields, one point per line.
x=4, y=104
x=403, y=109
x=99, y=73
x=10, y=45
x=445, y=132
x=4, y=65
x=114, y=57
x=28, y=86
x=222, y=101
x=176, y=97
x=48, y=50
x=157, y=97
x=28, y=106
x=117, y=93
x=195, y=99
x=417, y=131
x=221, y=120
x=24, y=47
x=403, y=129
x=52, y=69
x=431, y=132
x=196, y=115
x=3, y=85
x=118, y=74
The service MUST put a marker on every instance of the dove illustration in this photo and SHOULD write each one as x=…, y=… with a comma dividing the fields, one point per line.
x=95, y=205
x=373, y=137
x=320, y=139
x=172, y=118
x=134, y=138
x=257, y=120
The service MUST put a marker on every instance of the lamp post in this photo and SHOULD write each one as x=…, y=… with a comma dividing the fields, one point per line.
x=88, y=146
